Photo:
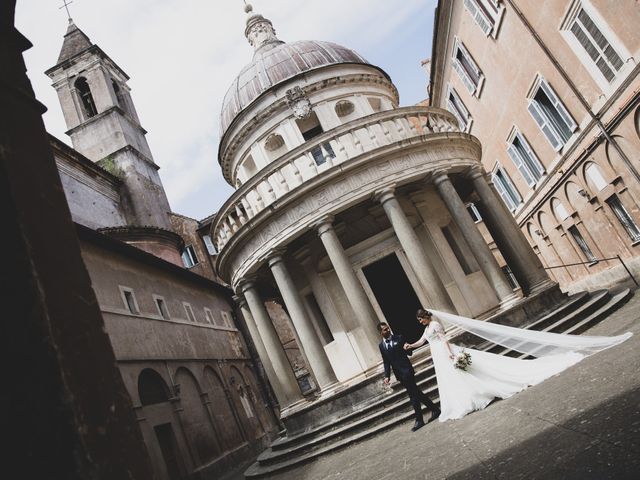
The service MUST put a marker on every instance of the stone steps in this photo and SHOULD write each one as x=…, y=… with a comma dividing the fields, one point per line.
x=577, y=314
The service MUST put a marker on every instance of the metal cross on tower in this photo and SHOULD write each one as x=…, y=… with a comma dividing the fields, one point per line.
x=66, y=7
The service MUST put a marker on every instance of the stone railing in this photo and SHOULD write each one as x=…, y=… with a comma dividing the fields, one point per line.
x=320, y=154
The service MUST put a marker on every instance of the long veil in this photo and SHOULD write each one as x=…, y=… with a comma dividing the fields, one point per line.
x=531, y=342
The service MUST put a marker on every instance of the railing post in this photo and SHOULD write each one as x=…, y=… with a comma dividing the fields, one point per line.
x=627, y=269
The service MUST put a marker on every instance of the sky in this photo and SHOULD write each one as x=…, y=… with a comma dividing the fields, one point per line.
x=182, y=56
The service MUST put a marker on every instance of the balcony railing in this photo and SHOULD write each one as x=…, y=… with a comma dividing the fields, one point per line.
x=320, y=154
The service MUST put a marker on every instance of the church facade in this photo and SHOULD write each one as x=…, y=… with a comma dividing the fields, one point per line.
x=551, y=91
x=199, y=397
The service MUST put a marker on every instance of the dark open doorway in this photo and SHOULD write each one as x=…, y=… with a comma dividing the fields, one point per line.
x=395, y=295
x=169, y=449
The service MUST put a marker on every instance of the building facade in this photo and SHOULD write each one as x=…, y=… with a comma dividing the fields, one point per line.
x=353, y=210
x=180, y=343
x=551, y=89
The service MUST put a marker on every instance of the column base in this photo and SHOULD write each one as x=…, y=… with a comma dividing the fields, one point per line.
x=509, y=301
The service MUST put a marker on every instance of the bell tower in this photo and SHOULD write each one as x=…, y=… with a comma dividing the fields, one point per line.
x=104, y=126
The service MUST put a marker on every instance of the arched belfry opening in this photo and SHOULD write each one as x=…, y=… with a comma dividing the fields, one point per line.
x=86, y=99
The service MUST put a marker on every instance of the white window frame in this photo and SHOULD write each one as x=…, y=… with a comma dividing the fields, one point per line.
x=624, y=218
x=594, y=173
x=608, y=35
x=208, y=242
x=530, y=168
x=189, y=256
x=472, y=87
x=487, y=14
x=474, y=213
x=156, y=299
x=560, y=210
x=545, y=124
x=459, y=109
x=505, y=187
x=188, y=310
x=208, y=314
x=123, y=291
x=227, y=319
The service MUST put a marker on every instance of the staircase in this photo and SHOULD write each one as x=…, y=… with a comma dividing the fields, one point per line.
x=578, y=313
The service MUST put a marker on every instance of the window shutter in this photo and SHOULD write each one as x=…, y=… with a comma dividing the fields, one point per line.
x=456, y=113
x=502, y=192
x=542, y=122
x=463, y=76
x=520, y=165
x=470, y=60
x=511, y=189
x=564, y=114
x=478, y=15
x=534, y=162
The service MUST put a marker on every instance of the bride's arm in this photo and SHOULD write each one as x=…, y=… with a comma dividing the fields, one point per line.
x=421, y=341
x=440, y=332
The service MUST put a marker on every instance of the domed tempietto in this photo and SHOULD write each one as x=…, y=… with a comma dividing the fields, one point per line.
x=355, y=211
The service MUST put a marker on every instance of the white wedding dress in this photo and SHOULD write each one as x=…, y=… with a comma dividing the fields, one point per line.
x=489, y=375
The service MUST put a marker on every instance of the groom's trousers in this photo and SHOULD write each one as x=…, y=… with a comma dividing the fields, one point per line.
x=416, y=396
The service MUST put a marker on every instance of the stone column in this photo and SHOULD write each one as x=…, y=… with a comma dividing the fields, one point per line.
x=504, y=229
x=310, y=343
x=286, y=386
x=487, y=262
x=422, y=267
x=258, y=343
x=352, y=287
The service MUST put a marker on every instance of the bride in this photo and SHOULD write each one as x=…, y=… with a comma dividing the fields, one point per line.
x=473, y=387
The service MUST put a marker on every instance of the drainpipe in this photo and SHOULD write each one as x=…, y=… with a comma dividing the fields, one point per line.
x=574, y=89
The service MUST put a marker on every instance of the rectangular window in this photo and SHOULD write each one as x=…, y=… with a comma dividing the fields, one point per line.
x=211, y=248
x=189, y=311
x=582, y=243
x=486, y=13
x=209, y=315
x=466, y=68
x=551, y=116
x=129, y=300
x=511, y=278
x=455, y=106
x=162, y=307
x=227, y=319
x=593, y=42
x=189, y=257
x=322, y=153
x=524, y=159
x=505, y=188
x=474, y=213
x=624, y=218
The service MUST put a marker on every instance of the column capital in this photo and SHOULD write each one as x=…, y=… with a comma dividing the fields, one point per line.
x=324, y=224
x=275, y=256
x=476, y=171
x=240, y=300
x=439, y=176
x=384, y=194
x=247, y=283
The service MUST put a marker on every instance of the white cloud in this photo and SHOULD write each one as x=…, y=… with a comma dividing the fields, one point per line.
x=181, y=57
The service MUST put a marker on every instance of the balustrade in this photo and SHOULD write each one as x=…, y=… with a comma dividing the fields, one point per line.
x=341, y=144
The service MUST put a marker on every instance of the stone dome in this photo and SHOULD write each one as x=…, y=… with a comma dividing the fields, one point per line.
x=275, y=63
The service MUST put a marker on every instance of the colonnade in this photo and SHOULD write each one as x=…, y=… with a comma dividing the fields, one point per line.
x=510, y=240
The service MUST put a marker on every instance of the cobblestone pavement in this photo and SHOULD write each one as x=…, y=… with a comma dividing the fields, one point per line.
x=581, y=424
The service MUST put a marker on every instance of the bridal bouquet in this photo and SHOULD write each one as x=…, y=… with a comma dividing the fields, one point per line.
x=462, y=361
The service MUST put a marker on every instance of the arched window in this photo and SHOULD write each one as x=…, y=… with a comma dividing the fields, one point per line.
x=86, y=98
x=152, y=388
x=595, y=175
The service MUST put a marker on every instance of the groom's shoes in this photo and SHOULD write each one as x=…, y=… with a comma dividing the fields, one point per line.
x=419, y=424
x=435, y=414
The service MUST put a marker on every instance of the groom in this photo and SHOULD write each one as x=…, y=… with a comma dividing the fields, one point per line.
x=396, y=357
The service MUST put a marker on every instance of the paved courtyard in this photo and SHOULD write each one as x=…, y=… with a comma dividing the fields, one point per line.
x=581, y=424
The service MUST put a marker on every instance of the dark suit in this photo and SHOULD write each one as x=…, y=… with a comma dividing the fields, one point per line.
x=397, y=358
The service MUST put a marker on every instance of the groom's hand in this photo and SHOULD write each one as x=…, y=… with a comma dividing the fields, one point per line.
x=386, y=380
x=407, y=346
